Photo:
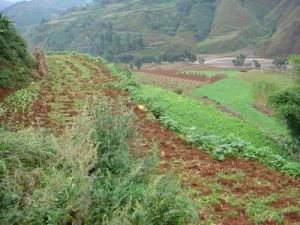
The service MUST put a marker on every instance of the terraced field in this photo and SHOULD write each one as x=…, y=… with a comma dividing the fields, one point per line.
x=71, y=84
x=229, y=191
x=213, y=73
x=239, y=96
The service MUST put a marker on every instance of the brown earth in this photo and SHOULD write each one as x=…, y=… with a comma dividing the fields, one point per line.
x=4, y=93
x=174, y=74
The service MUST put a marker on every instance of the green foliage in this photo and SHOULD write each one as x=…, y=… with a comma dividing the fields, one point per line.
x=102, y=39
x=22, y=100
x=239, y=61
x=213, y=73
x=280, y=62
x=160, y=25
x=90, y=175
x=295, y=61
x=287, y=104
x=214, y=131
x=39, y=182
x=263, y=90
x=257, y=64
x=125, y=189
x=138, y=64
x=260, y=210
x=15, y=61
x=241, y=97
x=26, y=15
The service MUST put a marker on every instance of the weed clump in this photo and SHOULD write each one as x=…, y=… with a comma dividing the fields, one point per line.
x=92, y=174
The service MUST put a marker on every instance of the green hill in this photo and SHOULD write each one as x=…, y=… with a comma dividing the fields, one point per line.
x=234, y=27
x=15, y=61
x=28, y=14
x=284, y=23
x=124, y=30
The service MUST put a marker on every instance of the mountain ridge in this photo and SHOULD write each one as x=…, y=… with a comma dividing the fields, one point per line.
x=169, y=27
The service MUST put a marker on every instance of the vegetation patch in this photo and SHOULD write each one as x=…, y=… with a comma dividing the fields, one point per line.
x=213, y=73
x=208, y=127
x=240, y=97
x=92, y=172
x=15, y=61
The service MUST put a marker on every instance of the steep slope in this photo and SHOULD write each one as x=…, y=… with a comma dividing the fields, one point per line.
x=124, y=30
x=120, y=30
x=27, y=14
x=15, y=61
x=284, y=22
x=236, y=25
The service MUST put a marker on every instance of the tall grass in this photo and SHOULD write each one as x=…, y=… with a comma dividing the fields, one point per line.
x=126, y=189
x=263, y=90
x=91, y=174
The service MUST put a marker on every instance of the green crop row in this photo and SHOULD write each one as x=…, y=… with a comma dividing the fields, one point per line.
x=239, y=96
x=213, y=73
x=212, y=130
x=22, y=100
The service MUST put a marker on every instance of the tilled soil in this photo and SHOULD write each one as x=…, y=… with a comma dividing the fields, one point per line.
x=174, y=74
x=4, y=93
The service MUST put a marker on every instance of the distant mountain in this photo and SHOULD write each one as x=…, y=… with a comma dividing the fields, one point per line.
x=5, y=3
x=124, y=29
x=28, y=14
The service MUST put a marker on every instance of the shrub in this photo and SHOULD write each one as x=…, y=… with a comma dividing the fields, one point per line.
x=287, y=104
x=126, y=189
x=179, y=90
x=16, y=63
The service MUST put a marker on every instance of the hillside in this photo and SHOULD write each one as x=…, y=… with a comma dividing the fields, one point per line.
x=95, y=154
x=122, y=30
x=5, y=3
x=284, y=23
x=28, y=14
x=15, y=61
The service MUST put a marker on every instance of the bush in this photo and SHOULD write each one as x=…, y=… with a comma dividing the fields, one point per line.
x=126, y=189
x=16, y=63
x=287, y=104
x=39, y=182
x=87, y=176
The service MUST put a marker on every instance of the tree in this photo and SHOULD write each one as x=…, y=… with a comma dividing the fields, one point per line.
x=295, y=62
x=138, y=64
x=201, y=61
x=280, y=62
x=257, y=64
x=287, y=103
x=239, y=61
